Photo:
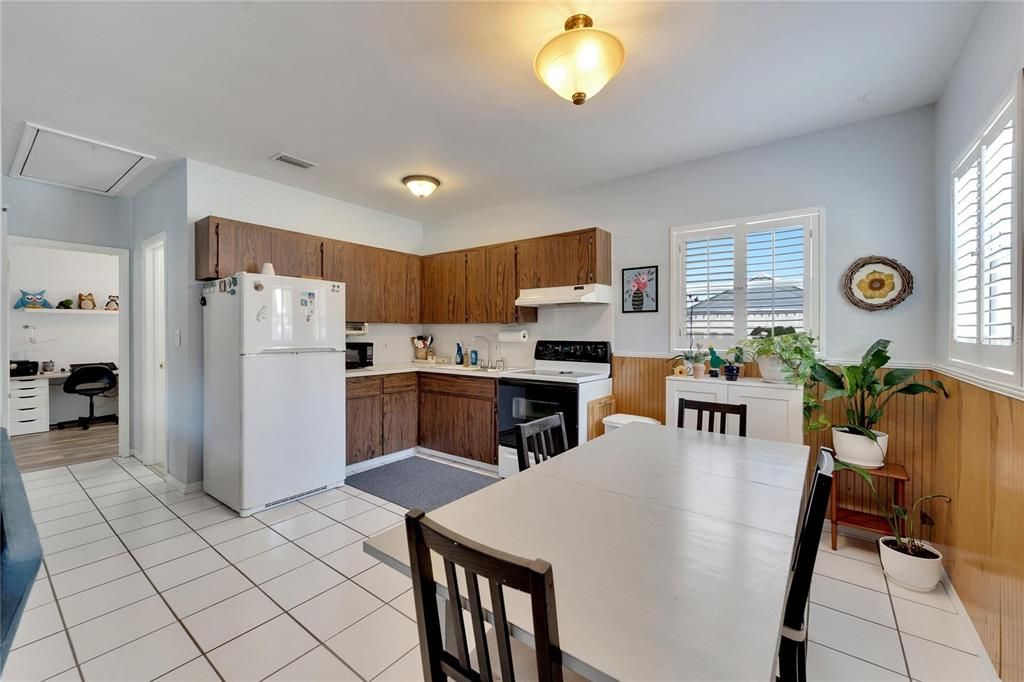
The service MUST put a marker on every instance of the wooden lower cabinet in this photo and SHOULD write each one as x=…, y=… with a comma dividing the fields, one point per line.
x=363, y=434
x=382, y=416
x=458, y=416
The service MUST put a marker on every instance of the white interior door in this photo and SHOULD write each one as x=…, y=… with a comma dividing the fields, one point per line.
x=155, y=342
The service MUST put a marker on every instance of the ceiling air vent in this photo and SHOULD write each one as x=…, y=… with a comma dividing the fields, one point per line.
x=59, y=158
x=294, y=161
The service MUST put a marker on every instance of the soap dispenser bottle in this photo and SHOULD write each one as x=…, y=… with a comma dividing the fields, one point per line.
x=458, y=353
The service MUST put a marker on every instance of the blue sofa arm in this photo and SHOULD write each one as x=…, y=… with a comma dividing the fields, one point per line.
x=20, y=551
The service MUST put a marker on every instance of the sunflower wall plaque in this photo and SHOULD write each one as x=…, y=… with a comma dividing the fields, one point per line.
x=877, y=283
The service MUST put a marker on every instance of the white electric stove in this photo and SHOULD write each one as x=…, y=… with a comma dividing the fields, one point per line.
x=566, y=375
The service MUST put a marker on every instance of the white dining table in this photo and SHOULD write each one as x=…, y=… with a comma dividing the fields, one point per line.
x=670, y=548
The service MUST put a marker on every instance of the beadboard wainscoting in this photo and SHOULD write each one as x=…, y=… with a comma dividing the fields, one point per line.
x=970, y=447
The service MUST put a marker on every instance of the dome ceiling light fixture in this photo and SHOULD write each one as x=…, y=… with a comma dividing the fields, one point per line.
x=421, y=186
x=578, y=63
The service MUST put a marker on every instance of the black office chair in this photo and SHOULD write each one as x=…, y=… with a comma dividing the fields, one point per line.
x=793, y=647
x=91, y=381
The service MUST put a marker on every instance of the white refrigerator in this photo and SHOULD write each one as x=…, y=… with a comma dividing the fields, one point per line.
x=273, y=389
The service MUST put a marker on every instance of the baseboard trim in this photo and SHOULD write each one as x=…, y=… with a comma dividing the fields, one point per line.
x=455, y=459
x=360, y=467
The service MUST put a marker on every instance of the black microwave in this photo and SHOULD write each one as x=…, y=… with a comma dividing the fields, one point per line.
x=358, y=355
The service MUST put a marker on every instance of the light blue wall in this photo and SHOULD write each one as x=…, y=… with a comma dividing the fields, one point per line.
x=161, y=207
x=45, y=211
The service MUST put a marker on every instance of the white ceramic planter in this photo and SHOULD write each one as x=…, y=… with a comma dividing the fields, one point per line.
x=911, y=572
x=859, y=450
x=771, y=369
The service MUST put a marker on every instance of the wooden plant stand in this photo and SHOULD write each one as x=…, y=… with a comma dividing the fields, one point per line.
x=873, y=522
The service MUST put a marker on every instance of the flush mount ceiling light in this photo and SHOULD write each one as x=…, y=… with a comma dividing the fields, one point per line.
x=579, y=62
x=421, y=185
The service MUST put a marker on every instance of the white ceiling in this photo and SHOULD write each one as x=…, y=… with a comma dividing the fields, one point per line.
x=376, y=91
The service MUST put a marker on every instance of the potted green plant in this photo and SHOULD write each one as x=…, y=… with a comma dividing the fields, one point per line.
x=783, y=355
x=729, y=362
x=865, y=395
x=692, y=359
x=907, y=560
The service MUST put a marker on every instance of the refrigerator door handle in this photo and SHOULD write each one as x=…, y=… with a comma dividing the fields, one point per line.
x=296, y=351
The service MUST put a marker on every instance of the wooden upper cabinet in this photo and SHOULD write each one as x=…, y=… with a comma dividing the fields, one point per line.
x=380, y=285
x=443, y=288
x=297, y=255
x=356, y=266
x=224, y=247
x=581, y=257
x=491, y=289
x=401, y=281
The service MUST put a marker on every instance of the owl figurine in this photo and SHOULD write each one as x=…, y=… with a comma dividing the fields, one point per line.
x=86, y=301
x=32, y=299
x=112, y=303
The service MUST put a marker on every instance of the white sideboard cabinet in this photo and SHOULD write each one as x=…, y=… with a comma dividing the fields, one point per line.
x=774, y=411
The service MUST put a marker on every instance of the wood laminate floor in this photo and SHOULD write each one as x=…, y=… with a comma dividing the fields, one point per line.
x=56, y=448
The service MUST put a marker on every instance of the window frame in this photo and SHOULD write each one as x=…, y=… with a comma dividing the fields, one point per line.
x=997, y=362
x=739, y=228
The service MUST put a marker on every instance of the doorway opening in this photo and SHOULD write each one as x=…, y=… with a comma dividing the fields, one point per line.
x=154, y=377
x=67, y=339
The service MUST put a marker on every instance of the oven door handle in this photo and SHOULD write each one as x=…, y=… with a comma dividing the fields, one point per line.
x=562, y=385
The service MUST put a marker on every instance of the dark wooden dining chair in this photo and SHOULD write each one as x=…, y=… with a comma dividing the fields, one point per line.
x=542, y=439
x=499, y=570
x=793, y=647
x=702, y=407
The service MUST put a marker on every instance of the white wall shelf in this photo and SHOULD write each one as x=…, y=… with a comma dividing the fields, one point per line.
x=59, y=311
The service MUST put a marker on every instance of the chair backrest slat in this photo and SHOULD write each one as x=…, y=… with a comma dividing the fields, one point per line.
x=540, y=440
x=455, y=612
x=712, y=409
x=498, y=568
x=476, y=616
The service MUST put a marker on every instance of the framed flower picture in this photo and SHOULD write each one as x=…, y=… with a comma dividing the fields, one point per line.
x=877, y=283
x=640, y=289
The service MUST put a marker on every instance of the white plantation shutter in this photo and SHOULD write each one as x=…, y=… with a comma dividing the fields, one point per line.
x=729, y=279
x=985, y=294
x=965, y=227
x=710, y=277
x=775, y=278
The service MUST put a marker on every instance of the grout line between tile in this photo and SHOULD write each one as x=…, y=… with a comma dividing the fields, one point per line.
x=899, y=632
x=158, y=593
x=285, y=611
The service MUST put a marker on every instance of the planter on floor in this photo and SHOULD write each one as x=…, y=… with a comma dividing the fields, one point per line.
x=917, y=573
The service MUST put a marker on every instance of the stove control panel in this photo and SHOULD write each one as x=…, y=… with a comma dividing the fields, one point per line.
x=573, y=351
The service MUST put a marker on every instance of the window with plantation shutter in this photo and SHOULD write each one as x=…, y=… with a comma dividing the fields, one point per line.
x=985, y=262
x=733, y=279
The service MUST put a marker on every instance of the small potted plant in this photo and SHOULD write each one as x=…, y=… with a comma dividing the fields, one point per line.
x=907, y=560
x=866, y=394
x=729, y=362
x=693, y=360
x=783, y=355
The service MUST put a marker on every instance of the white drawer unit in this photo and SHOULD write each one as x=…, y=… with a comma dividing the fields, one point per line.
x=774, y=411
x=30, y=406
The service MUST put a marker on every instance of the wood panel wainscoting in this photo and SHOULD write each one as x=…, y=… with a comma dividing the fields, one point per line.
x=970, y=447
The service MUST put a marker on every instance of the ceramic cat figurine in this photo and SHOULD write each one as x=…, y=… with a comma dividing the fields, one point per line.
x=112, y=303
x=86, y=301
x=32, y=299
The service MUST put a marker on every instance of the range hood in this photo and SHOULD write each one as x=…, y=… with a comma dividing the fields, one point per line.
x=579, y=293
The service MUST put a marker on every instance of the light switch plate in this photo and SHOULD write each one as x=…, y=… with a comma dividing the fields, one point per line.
x=177, y=338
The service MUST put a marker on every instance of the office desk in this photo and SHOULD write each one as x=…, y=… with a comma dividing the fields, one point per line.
x=30, y=401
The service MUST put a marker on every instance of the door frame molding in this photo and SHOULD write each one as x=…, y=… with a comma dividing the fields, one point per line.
x=123, y=327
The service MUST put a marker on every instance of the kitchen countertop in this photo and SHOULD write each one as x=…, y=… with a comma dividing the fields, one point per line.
x=403, y=367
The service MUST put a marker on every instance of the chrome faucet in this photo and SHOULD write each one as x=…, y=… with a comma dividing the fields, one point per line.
x=485, y=365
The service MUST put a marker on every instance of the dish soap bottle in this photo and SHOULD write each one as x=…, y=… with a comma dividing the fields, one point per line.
x=458, y=352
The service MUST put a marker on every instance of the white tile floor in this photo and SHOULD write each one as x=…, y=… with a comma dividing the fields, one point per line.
x=141, y=582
